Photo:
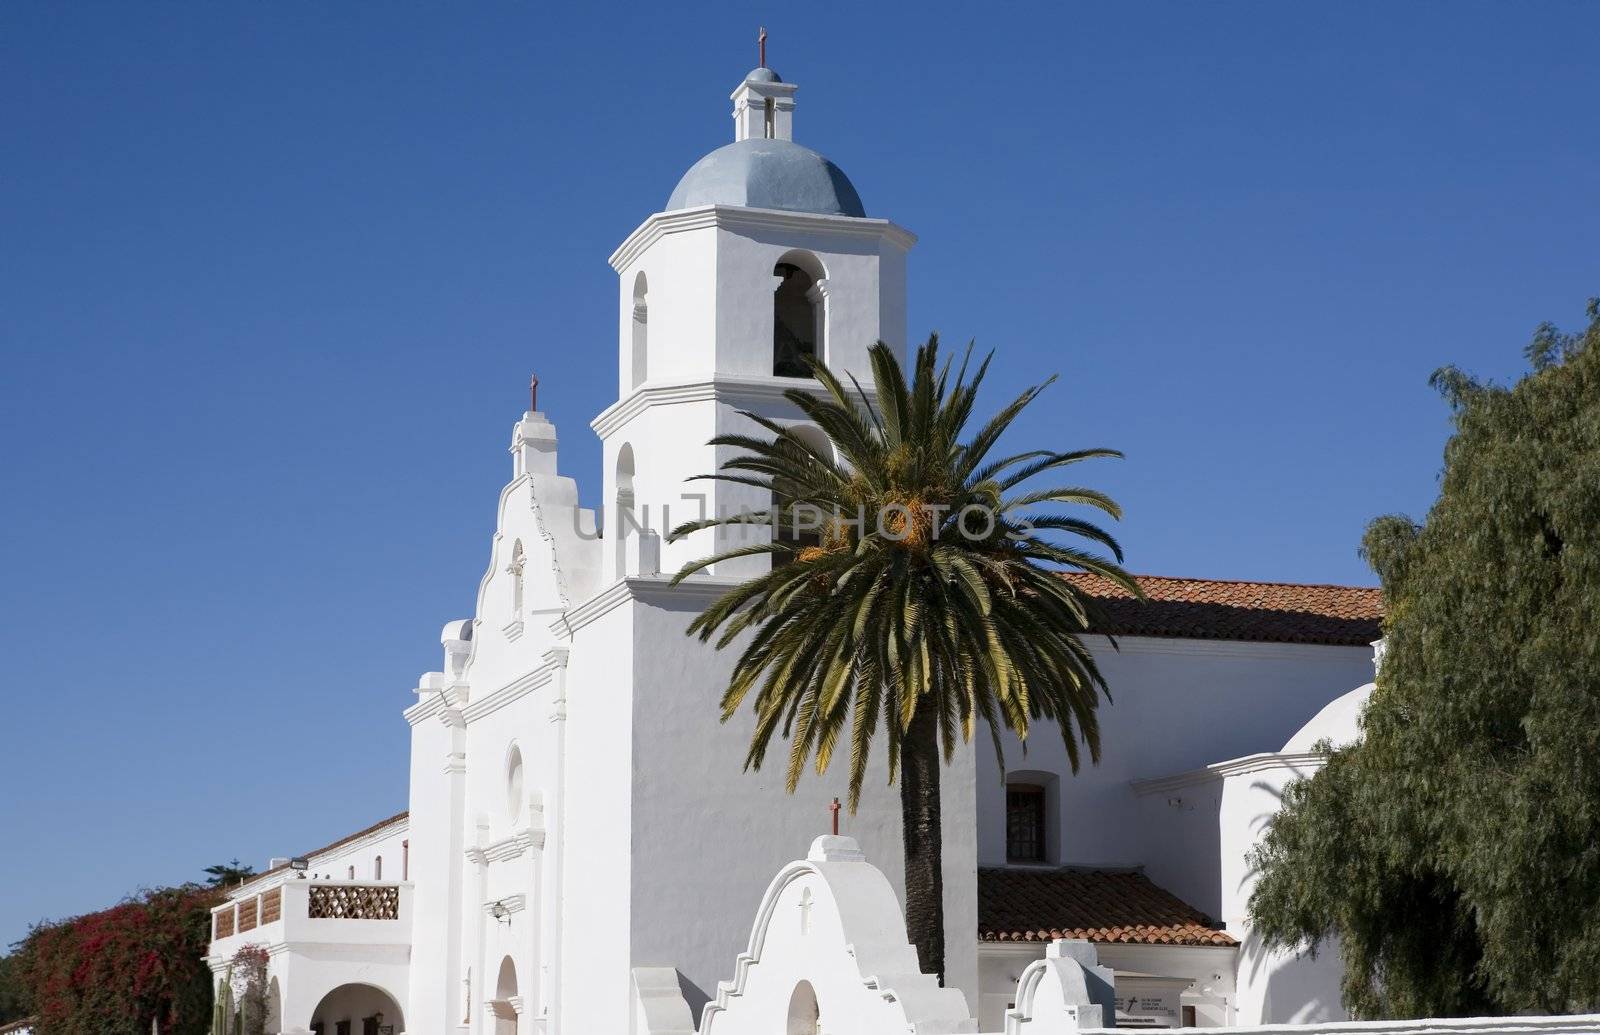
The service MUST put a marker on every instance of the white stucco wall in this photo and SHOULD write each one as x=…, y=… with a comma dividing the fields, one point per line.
x=707, y=836
x=1213, y=818
x=1177, y=705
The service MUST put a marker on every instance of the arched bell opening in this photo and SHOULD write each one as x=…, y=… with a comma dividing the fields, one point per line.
x=799, y=315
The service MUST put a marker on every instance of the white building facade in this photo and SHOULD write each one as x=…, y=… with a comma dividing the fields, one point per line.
x=579, y=816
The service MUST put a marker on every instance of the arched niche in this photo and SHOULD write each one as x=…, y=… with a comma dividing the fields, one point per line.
x=507, y=999
x=799, y=313
x=516, y=568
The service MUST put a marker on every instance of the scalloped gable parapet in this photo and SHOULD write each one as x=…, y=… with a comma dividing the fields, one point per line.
x=829, y=938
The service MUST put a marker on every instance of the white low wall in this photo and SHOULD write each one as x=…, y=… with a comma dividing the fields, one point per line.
x=827, y=953
x=1575, y=1024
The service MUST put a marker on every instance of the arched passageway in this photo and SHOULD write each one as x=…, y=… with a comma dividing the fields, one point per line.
x=357, y=1010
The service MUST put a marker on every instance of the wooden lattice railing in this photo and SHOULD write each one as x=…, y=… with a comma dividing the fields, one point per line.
x=354, y=902
x=247, y=915
x=271, y=906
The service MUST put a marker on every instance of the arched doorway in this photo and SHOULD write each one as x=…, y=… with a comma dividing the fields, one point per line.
x=357, y=1010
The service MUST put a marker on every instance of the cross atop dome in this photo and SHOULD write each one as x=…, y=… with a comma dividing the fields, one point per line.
x=764, y=167
x=763, y=105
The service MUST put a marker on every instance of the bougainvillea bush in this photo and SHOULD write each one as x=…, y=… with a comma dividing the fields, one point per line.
x=113, y=972
x=249, y=974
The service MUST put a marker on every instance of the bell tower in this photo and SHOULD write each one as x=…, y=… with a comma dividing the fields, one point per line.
x=763, y=258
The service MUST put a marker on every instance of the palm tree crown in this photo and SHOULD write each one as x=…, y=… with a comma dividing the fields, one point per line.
x=929, y=588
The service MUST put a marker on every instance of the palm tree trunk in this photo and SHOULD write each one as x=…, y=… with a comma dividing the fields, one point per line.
x=919, y=816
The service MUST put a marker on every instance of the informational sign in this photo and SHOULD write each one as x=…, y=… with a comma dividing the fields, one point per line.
x=1149, y=1001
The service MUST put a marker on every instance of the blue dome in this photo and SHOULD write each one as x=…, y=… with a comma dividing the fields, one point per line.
x=762, y=75
x=766, y=173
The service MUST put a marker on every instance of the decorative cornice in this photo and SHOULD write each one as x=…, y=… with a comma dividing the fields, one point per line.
x=698, y=593
x=1232, y=767
x=737, y=217
x=425, y=708
x=512, y=847
x=741, y=391
x=512, y=691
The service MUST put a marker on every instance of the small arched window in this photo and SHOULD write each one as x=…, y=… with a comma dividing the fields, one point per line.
x=622, y=521
x=640, y=355
x=514, y=783
x=377, y=868
x=798, y=314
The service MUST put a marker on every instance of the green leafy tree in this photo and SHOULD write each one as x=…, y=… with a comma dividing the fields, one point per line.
x=16, y=999
x=928, y=601
x=1454, y=853
x=226, y=875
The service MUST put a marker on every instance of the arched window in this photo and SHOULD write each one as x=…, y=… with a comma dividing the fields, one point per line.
x=377, y=868
x=641, y=332
x=514, y=783
x=798, y=314
x=624, y=521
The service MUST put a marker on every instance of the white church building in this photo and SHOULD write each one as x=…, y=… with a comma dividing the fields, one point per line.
x=580, y=823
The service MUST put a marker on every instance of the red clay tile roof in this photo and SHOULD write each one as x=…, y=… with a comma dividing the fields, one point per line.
x=1016, y=904
x=1214, y=609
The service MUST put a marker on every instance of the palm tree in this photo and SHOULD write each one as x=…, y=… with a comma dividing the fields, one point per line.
x=929, y=600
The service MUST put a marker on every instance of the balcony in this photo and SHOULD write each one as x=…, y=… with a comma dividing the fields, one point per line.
x=314, y=912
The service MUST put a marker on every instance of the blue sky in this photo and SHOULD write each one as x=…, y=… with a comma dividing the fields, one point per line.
x=275, y=276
